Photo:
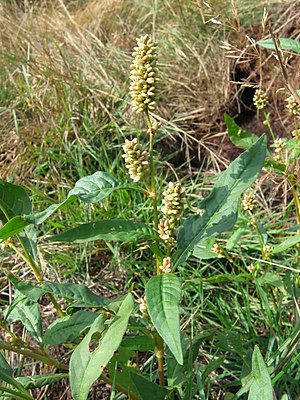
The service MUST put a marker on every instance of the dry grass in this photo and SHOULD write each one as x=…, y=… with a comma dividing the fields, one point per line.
x=66, y=62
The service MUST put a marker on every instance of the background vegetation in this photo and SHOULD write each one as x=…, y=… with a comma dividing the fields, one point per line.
x=64, y=106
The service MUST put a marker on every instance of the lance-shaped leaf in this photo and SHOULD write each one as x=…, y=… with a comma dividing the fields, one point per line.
x=95, y=187
x=284, y=43
x=107, y=229
x=19, y=392
x=17, y=204
x=14, y=200
x=238, y=136
x=258, y=382
x=222, y=203
x=86, y=366
x=28, y=312
x=80, y=294
x=68, y=328
x=37, y=381
x=163, y=296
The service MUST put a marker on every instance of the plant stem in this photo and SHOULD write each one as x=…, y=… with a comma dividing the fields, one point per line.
x=17, y=395
x=268, y=123
x=159, y=352
x=39, y=357
x=35, y=269
x=54, y=363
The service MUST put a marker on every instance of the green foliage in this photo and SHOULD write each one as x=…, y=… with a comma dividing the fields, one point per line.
x=113, y=229
x=87, y=366
x=163, y=296
x=222, y=293
x=222, y=204
x=284, y=43
x=258, y=382
x=66, y=329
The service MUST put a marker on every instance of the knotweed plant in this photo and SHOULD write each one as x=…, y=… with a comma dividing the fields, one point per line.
x=115, y=341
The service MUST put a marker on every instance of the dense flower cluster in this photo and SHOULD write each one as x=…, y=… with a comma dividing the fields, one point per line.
x=293, y=106
x=279, y=146
x=166, y=266
x=249, y=201
x=143, y=76
x=173, y=201
x=166, y=231
x=260, y=99
x=172, y=209
x=135, y=159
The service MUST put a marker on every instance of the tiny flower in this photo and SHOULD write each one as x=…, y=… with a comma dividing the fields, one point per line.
x=166, y=232
x=266, y=251
x=173, y=202
x=166, y=266
x=218, y=250
x=260, y=99
x=251, y=268
x=293, y=106
x=143, y=307
x=154, y=128
x=249, y=201
x=135, y=159
x=279, y=145
x=143, y=76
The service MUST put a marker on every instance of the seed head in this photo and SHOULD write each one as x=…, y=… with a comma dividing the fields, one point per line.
x=260, y=99
x=143, y=76
x=293, y=106
x=166, y=266
x=249, y=201
x=166, y=232
x=135, y=159
x=173, y=202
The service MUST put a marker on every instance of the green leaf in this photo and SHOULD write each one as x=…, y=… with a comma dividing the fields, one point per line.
x=258, y=382
x=13, y=227
x=138, y=343
x=68, y=328
x=111, y=229
x=96, y=187
x=204, y=249
x=261, y=387
x=82, y=296
x=4, y=366
x=179, y=374
x=148, y=390
x=234, y=239
x=14, y=204
x=37, y=381
x=14, y=200
x=270, y=279
x=221, y=205
x=285, y=44
x=29, y=290
x=20, y=391
x=163, y=296
x=86, y=366
x=28, y=312
x=286, y=244
x=238, y=136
